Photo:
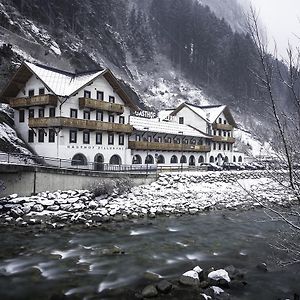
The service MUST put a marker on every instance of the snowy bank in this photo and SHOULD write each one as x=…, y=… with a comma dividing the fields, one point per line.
x=176, y=194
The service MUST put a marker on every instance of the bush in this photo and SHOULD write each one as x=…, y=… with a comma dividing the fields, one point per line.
x=109, y=186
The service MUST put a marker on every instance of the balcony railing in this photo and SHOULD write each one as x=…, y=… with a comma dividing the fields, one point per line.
x=136, y=145
x=39, y=100
x=79, y=123
x=101, y=105
x=223, y=139
x=220, y=126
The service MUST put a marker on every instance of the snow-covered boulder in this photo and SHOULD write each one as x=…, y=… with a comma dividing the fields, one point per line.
x=219, y=275
x=190, y=278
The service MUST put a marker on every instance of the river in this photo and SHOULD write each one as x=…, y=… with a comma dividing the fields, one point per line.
x=35, y=264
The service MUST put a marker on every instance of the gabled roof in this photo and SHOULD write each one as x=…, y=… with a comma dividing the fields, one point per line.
x=60, y=82
x=214, y=111
x=157, y=126
x=196, y=109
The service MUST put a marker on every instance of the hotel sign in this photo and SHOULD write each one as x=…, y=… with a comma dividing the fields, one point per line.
x=145, y=114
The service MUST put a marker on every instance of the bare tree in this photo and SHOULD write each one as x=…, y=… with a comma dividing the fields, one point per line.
x=287, y=127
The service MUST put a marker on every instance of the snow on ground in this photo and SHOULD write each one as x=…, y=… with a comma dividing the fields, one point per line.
x=171, y=194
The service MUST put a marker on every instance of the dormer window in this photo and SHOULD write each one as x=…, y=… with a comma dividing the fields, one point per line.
x=181, y=120
x=100, y=95
x=31, y=93
x=220, y=120
x=225, y=122
x=41, y=91
x=87, y=94
x=111, y=99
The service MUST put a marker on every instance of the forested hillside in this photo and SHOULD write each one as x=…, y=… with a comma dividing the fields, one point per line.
x=165, y=51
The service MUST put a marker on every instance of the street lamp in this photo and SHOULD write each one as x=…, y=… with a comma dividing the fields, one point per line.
x=181, y=159
x=147, y=153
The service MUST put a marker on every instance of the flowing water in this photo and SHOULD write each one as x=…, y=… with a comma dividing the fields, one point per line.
x=77, y=262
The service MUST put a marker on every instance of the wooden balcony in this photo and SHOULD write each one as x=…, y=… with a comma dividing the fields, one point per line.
x=220, y=126
x=39, y=100
x=101, y=105
x=135, y=145
x=223, y=139
x=79, y=124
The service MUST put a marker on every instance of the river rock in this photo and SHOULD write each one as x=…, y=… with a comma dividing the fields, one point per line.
x=93, y=205
x=12, y=196
x=164, y=286
x=262, y=267
x=38, y=208
x=151, y=276
x=189, y=278
x=219, y=275
x=53, y=208
x=16, y=212
x=149, y=291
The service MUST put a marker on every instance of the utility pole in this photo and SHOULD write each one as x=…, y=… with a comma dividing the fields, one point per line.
x=147, y=150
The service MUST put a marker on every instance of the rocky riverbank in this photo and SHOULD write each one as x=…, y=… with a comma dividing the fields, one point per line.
x=171, y=194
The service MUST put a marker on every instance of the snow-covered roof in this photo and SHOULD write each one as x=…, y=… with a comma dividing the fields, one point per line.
x=164, y=113
x=62, y=83
x=198, y=110
x=158, y=126
x=213, y=112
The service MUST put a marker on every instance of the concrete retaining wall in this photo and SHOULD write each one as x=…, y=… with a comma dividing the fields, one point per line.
x=27, y=181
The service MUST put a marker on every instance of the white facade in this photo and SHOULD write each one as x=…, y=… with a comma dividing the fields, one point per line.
x=187, y=135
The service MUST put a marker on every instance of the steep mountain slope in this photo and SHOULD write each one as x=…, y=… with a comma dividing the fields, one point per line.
x=165, y=51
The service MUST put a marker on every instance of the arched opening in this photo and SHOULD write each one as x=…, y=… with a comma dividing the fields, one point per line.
x=115, y=160
x=99, y=160
x=226, y=159
x=211, y=159
x=192, y=160
x=79, y=160
x=149, y=160
x=219, y=159
x=137, y=160
x=201, y=159
x=234, y=159
x=240, y=159
x=160, y=159
x=183, y=159
x=174, y=159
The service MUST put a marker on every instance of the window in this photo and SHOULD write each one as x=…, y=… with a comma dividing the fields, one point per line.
x=31, y=113
x=73, y=136
x=181, y=120
x=52, y=112
x=111, y=99
x=215, y=146
x=99, y=115
x=228, y=133
x=41, y=135
x=111, y=118
x=220, y=146
x=51, y=135
x=41, y=91
x=87, y=94
x=219, y=132
x=86, y=115
x=121, y=139
x=225, y=122
x=159, y=139
x=110, y=139
x=224, y=133
x=138, y=138
x=215, y=133
x=220, y=120
x=31, y=93
x=21, y=116
x=86, y=137
x=99, y=138
x=224, y=147
x=73, y=113
x=100, y=95
x=30, y=136
x=228, y=147
x=121, y=119
x=41, y=113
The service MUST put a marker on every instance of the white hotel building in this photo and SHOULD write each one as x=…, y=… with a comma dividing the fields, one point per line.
x=87, y=118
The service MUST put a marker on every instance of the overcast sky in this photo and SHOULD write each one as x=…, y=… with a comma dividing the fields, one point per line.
x=282, y=21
